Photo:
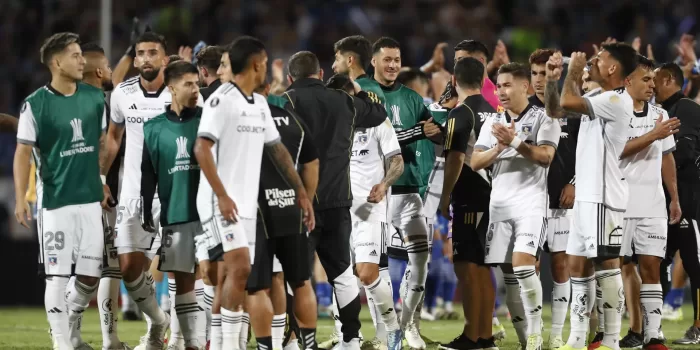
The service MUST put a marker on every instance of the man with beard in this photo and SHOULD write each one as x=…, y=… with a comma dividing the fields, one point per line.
x=135, y=101
x=98, y=73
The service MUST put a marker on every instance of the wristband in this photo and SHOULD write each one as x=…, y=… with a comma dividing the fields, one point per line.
x=104, y=179
x=516, y=142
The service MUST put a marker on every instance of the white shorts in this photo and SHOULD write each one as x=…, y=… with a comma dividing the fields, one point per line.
x=111, y=258
x=72, y=235
x=368, y=240
x=558, y=226
x=178, y=247
x=231, y=235
x=596, y=231
x=433, y=192
x=644, y=236
x=406, y=213
x=130, y=236
x=522, y=235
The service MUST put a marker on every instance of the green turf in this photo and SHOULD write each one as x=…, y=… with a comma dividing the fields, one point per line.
x=26, y=328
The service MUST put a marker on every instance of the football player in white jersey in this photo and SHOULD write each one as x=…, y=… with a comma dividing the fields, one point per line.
x=520, y=144
x=647, y=159
x=135, y=101
x=372, y=149
x=236, y=124
x=601, y=189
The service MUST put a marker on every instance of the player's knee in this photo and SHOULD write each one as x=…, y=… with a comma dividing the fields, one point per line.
x=88, y=280
x=367, y=273
x=560, y=270
x=650, y=269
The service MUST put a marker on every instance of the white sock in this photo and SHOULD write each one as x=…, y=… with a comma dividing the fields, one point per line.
x=216, y=339
x=599, y=307
x=561, y=293
x=381, y=327
x=230, y=328
x=245, y=325
x=175, y=331
x=208, y=301
x=515, y=306
x=56, y=310
x=292, y=345
x=414, y=278
x=278, y=324
x=531, y=293
x=78, y=296
x=381, y=295
x=107, y=299
x=613, y=300
x=203, y=322
x=652, y=300
x=188, y=313
x=141, y=290
x=336, y=316
x=580, y=317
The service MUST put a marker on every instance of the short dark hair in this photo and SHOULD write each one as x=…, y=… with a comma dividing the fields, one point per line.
x=55, y=44
x=176, y=70
x=518, y=70
x=303, y=64
x=358, y=45
x=674, y=71
x=92, y=47
x=625, y=54
x=469, y=72
x=241, y=50
x=152, y=37
x=405, y=77
x=541, y=56
x=174, y=58
x=645, y=62
x=385, y=42
x=472, y=46
x=210, y=56
x=340, y=82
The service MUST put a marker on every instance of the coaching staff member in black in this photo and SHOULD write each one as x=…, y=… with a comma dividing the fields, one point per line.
x=331, y=116
x=685, y=235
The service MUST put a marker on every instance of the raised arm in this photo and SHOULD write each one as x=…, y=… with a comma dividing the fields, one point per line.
x=551, y=89
x=571, y=99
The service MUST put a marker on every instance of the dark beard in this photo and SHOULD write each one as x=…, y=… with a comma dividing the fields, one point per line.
x=107, y=85
x=151, y=75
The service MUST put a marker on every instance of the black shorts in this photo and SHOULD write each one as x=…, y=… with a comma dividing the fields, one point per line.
x=331, y=240
x=469, y=235
x=292, y=252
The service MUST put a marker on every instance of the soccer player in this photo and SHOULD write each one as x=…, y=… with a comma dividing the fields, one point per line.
x=476, y=49
x=647, y=159
x=601, y=189
x=167, y=163
x=135, y=101
x=683, y=237
x=560, y=185
x=64, y=121
x=98, y=73
x=406, y=206
x=520, y=147
x=468, y=192
x=235, y=119
x=208, y=61
x=282, y=243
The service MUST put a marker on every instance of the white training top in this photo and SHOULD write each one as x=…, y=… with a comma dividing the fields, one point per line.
x=240, y=127
x=371, y=146
x=643, y=170
x=519, y=186
x=601, y=139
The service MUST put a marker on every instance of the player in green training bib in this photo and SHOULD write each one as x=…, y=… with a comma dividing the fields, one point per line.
x=352, y=57
x=64, y=122
x=169, y=163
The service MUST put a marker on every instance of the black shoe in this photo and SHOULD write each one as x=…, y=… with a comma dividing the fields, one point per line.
x=632, y=340
x=460, y=343
x=487, y=344
x=131, y=316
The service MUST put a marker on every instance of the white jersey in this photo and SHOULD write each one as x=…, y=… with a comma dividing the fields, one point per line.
x=603, y=135
x=371, y=146
x=240, y=126
x=519, y=187
x=132, y=105
x=643, y=170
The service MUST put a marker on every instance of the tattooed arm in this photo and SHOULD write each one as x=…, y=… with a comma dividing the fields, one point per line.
x=551, y=100
x=393, y=172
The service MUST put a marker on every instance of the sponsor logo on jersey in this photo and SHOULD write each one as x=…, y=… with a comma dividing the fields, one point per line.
x=360, y=152
x=133, y=107
x=138, y=120
x=182, y=157
x=78, y=140
x=250, y=128
x=181, y=142
x=396, y=115
x=281, y=120
x=485, y=115
x=280, y=198
x=77, y=126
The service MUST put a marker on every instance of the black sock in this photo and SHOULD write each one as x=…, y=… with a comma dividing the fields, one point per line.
x=308, y=338
x=350, y=317
x=665, y=277
x=264, y=343
x=293, y=327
